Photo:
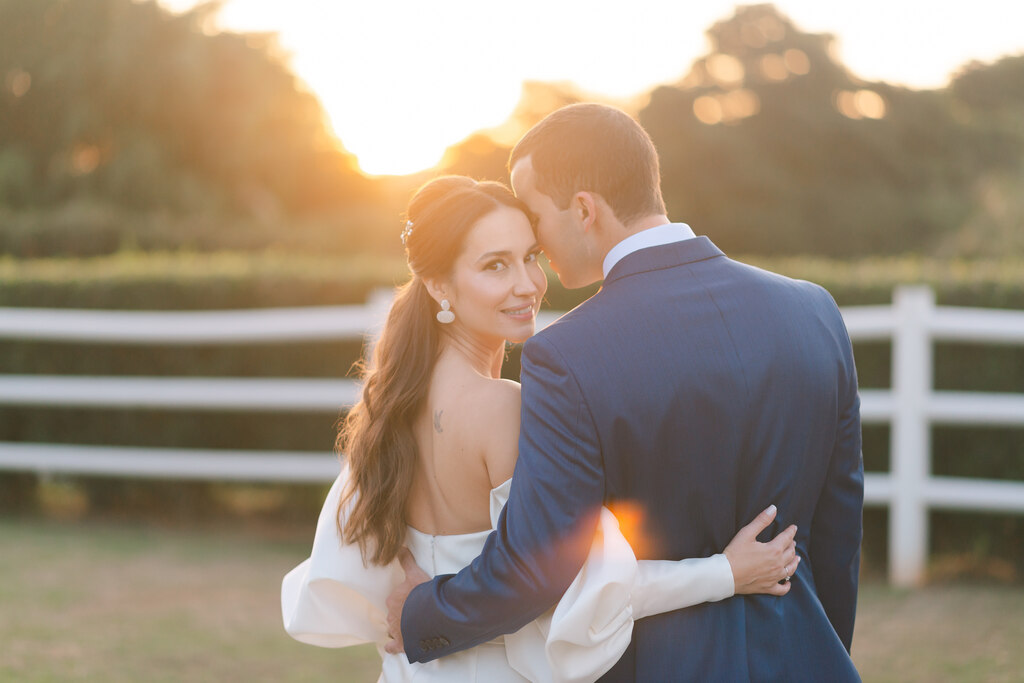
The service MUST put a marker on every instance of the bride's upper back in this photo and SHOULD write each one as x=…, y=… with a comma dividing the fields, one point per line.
x=467, y=438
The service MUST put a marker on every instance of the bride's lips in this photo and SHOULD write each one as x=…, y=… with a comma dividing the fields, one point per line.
x=524, y=312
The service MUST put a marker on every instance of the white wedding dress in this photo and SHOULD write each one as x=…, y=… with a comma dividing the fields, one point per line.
x=333, y=600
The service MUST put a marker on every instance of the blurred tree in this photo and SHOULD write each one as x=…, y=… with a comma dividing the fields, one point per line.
x=125, y=101
x=770, y=145
x=15, y=175
x=994, y=88
x=478, y=156
x=995, y=226
x=991, y=99
x=537, y=100
x=484, y=154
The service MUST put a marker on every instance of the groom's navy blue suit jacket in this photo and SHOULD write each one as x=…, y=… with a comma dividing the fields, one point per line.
x=692, y=391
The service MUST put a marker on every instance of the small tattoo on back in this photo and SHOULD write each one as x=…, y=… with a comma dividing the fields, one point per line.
x=437, y=421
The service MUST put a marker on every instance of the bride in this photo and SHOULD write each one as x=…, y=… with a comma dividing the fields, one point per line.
x=430, y=451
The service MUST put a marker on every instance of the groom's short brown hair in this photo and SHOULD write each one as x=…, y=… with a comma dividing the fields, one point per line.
x=594, y=148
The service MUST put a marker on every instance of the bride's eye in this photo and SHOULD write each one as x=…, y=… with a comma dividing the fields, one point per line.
x=495, y=266
x=532, y=256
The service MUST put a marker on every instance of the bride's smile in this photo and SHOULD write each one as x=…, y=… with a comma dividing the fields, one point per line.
x=527, y=312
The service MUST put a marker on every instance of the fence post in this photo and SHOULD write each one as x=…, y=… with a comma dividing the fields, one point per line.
x=910, y=441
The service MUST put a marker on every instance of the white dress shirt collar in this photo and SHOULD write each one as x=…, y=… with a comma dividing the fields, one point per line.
x=652, y=237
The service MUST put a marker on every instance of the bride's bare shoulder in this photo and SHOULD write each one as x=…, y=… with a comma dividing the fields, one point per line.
x=494, y=406
x=501, y=394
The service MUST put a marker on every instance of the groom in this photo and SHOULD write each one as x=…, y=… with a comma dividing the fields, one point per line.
x=691, y=388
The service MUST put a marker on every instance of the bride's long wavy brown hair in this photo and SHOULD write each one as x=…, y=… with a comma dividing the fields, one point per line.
x=376, y=436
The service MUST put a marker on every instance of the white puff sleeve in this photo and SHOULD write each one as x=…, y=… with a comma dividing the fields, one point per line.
x=591, y=626
x=332, y=599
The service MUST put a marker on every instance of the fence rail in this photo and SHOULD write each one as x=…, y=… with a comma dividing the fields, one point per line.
x=912, y=406
x=176, y=463
x=226, y=393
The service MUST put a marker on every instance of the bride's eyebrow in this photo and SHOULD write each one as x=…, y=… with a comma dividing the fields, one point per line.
x=505, y=253
x=493, y=254
x=536, y=247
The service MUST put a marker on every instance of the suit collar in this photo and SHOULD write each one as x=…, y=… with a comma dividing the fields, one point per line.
x=651, y=237
x=665, y=256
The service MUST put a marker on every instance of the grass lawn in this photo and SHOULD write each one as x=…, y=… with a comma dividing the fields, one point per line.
x=107, y=602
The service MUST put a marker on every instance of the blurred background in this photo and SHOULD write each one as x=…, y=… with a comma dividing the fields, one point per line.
x=250, y=155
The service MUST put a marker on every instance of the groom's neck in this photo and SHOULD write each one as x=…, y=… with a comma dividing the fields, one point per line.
x=615, y=231
x=645, y=223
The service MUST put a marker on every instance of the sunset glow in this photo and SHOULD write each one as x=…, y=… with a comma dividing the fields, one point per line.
x=403, y=80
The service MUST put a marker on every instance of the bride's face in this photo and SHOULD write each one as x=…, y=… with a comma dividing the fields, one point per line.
x=497, y=283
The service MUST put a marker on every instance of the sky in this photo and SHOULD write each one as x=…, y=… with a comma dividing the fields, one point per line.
x=401, y=80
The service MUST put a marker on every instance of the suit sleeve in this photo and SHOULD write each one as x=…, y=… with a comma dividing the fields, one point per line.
x=836, y=530
x=542, y=537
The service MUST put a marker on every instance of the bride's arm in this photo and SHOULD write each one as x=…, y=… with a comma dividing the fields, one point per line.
x=592, y=624
x=746, y=566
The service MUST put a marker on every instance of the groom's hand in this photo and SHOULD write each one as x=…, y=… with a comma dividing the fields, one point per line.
x=414, y=576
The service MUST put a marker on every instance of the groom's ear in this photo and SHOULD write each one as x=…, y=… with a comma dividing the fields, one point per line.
x=584, y=204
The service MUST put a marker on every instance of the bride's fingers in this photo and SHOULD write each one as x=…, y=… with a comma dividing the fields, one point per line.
x=759, y=524
x=780, y=588
x=784, y=539
x=789, y=571
x=413, y=572
x=405, y=558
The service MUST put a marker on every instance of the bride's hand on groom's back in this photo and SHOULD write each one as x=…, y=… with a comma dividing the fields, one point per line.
x=762, y=567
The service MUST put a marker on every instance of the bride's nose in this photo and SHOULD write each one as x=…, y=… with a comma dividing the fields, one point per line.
x=524, y=285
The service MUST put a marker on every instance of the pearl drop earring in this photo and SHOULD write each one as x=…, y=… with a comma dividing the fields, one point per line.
x=445, y=315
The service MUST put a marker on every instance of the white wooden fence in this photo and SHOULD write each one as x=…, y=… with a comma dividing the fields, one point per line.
x=913, y=323
x=912, y=406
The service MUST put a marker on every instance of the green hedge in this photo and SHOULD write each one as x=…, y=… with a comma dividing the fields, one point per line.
x=226, y=280
x=194, y=281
